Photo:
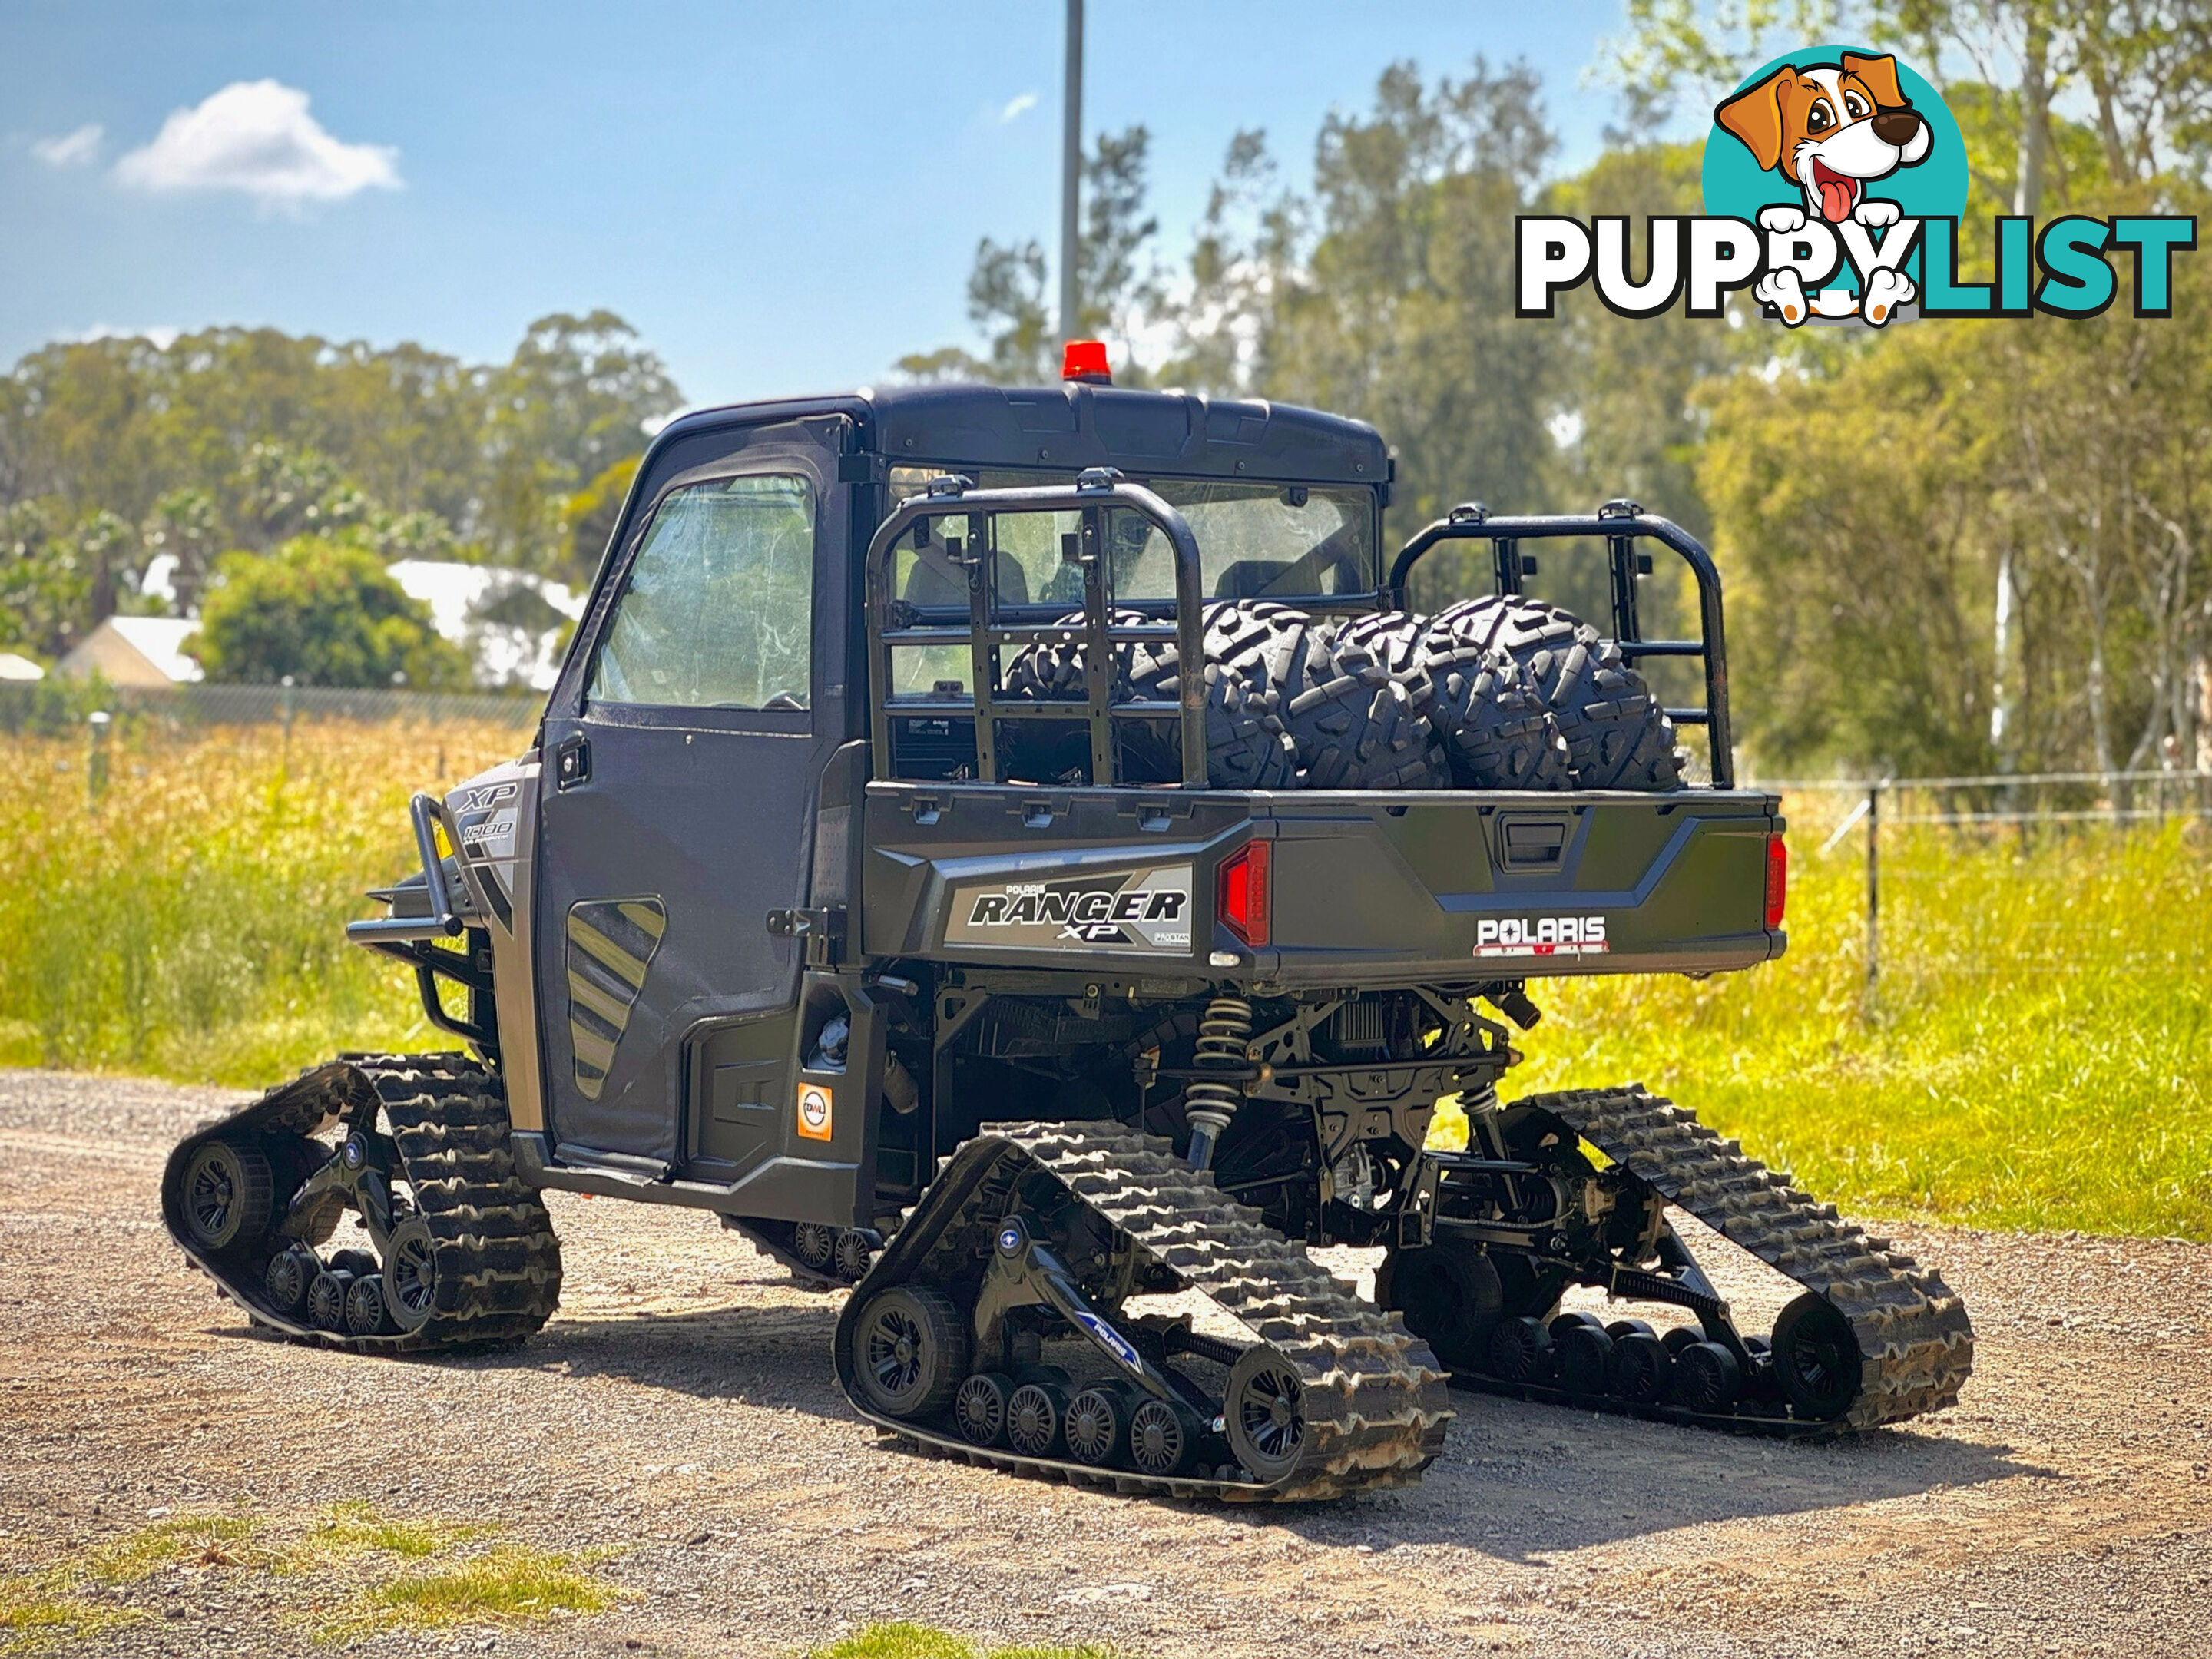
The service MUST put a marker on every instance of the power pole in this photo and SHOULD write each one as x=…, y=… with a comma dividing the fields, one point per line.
x=1071, y=171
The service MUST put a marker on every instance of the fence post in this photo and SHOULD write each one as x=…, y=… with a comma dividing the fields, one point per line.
x=1874, y=884
x=95, y=760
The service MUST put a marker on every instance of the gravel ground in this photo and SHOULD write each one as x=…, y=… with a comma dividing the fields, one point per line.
x=679, y=1413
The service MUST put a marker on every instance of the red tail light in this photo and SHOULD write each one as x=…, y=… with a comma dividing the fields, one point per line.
x=1241, y=897
x=1778, y=879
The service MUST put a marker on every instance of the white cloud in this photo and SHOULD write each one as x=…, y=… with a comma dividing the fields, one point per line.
x=1018, y=108
x=71, y=148
x=256, y=137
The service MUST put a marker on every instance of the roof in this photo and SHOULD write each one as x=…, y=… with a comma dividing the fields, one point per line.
x=13, y=667
x=1072, y=426
x=134, y=651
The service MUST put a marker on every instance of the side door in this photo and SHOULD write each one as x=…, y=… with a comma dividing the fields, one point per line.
x=683, y=751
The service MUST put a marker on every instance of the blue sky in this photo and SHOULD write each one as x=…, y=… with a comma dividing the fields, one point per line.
x=780, y=199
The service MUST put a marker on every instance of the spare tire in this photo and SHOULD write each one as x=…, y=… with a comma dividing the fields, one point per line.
x=1618, y=736
x=1254, y=653
x=1495, y=730
x=1248, y=658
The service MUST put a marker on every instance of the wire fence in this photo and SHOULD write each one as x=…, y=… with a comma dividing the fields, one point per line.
x=1977, y=806
x=52, y=707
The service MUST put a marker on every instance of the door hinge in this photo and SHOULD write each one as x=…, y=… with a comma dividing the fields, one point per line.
x=822, y=931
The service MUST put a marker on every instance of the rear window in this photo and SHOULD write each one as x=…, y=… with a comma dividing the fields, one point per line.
x=1286, y=542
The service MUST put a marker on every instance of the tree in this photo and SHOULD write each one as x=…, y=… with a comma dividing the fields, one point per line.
x=573, y=400
x=324, y=612
x=1119, y=290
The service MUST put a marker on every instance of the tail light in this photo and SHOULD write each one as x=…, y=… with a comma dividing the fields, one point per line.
x=1241, y=895
x=1778, y=880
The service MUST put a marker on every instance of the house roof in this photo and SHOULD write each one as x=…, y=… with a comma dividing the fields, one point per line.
x=13, y=667
x=156, y=642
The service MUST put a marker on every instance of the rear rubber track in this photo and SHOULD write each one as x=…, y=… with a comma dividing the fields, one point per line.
x=1916, y=1341
x=1375, y=1402
x=497, y=1262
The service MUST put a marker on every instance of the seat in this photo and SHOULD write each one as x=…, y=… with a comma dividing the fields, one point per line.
x=1248, y=579
x=935, y=579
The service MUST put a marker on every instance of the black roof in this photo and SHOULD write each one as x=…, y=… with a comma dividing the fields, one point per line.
x=1069, y=426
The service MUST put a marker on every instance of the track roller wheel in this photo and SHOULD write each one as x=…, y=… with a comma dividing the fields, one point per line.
x=1621, y=1327
x=1263, y=1407
x=327, y=1299
x=1639, y=1369
x=1094, y=1425
x=411, y=1275
x=355, y=1261
x=1449, y=1298
x=912, y=1352
x=1033, y=1417
x=815, y=1245
x=228, y=1193
x=1520, y=1350
x=979, y=1409
x=1584, y=1353
x=1680, y=1337
x=1568, y=1322
x=286, y=1280
x=1160, y=1437
x=851, y=1254
x=364, y=1306
x=1707, y=1378
x=1817, y=1357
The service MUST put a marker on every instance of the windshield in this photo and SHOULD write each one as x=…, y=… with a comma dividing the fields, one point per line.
x=1287, y=542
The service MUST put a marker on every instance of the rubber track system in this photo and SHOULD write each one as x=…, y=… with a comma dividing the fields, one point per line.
x=1376, y=1404
x=498, y=1265
x=1916, y=1341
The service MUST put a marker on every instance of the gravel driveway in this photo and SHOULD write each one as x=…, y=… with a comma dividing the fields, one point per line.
x=679, y=1415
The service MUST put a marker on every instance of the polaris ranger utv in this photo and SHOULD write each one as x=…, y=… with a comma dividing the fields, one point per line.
x=1013, y=851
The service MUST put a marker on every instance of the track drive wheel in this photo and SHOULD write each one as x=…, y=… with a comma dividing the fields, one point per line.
x=327, y=1299
x=364, y=1306
x=411, y=1275
x=1264, y=1409
x=286, y=1280
x=912, y=1352
x=815, y=1245
x=1096, y=1425
x=979, y=1409
x=1450, y=1299
x=229, y=1192
x=1817, y=1357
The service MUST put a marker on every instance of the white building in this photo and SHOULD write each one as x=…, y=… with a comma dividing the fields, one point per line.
x=134, y=651
x=509, y=622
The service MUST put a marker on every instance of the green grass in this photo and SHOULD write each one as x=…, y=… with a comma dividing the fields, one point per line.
x=2037, y=1051
x=357, y=1528
x=511, y=1584
x=191, y=923
x=38, y=1610
x=906, y=1641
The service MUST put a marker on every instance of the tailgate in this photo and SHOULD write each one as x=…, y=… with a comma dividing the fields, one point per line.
x=1440, y=886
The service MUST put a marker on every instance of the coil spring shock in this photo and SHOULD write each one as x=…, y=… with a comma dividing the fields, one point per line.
x=1224, y=1032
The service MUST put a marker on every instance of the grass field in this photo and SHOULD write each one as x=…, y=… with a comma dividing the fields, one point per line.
x=2036, y=1052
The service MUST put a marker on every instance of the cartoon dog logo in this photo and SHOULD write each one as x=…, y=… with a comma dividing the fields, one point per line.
x=1831, y=130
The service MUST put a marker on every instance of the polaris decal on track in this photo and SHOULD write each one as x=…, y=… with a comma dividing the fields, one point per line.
x=1540, y=936
x=1146, y=911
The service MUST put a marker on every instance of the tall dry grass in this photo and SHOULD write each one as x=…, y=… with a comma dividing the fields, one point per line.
x=2035, y=1053
x=191, y=924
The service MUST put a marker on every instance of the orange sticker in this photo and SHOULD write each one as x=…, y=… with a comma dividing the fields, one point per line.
x=814, y=1104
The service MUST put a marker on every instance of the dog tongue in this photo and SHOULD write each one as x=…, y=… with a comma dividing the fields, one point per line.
x=1835, y=199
